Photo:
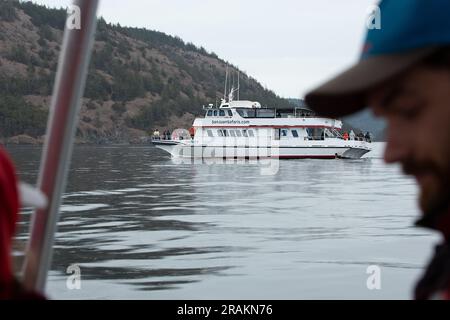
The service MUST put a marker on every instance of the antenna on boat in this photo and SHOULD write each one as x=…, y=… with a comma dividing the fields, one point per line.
x=232, y=81
x=226, y=82
x=229, y=85
x=238, y=87
x=230, y=95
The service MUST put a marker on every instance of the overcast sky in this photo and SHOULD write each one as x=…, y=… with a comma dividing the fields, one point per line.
x=288, y=45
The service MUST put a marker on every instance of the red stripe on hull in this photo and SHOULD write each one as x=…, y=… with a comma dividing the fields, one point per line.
x=307, y=157
x=274, y=157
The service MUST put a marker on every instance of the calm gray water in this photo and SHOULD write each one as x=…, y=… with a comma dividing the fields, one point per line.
x=141, y=226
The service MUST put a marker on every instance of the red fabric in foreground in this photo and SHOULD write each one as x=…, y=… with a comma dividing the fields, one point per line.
x=9, y=208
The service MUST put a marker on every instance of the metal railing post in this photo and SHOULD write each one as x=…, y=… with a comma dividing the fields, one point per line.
x=66, y=100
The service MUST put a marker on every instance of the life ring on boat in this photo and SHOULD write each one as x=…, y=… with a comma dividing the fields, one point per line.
x=180, y=134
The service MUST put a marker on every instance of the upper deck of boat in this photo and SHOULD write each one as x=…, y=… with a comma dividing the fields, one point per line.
x=251, y=109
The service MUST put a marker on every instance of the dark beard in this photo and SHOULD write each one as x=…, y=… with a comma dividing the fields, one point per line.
x=439, y=205
x=435, y=212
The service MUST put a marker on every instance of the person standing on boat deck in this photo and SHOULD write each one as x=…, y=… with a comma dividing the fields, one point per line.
x=360, y=136
x=156, y=134
x=352, y=135
x=345, y=135
x=192, y=132
x=404, y=76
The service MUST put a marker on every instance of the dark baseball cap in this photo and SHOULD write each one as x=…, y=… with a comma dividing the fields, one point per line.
x=409, y=31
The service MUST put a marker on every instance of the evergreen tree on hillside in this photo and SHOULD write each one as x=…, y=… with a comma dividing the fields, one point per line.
x=18, y=117
x=7, y=10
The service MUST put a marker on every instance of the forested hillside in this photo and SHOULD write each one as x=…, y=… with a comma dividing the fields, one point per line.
x=138, y=79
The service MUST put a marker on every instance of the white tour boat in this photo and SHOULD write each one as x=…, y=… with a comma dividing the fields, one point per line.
x=244, y=129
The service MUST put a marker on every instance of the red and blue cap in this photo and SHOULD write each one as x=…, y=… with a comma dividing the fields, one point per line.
x=410, y=30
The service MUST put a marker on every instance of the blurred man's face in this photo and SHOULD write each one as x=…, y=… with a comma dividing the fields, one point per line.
x=416, y=106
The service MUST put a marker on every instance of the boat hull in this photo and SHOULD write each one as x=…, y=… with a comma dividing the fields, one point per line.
x=190, y=150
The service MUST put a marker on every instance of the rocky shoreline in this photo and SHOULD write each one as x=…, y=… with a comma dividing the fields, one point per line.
x=24, y=139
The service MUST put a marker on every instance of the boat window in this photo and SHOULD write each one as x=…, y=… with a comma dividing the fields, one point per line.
x=294, y=133
x=284, y=132
x=220, y=133
x=328, y=133
x=225, y=133
x=239, y=133
x=209, y=132
x=322, y=134
x=244, y=133
x=233, y=133
x=250, y=133
x=230, y=113
x=215, y=113
x=246, y=113
x=316, y=133
x=210, y=113
x=222, y=113
x=265, y=113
